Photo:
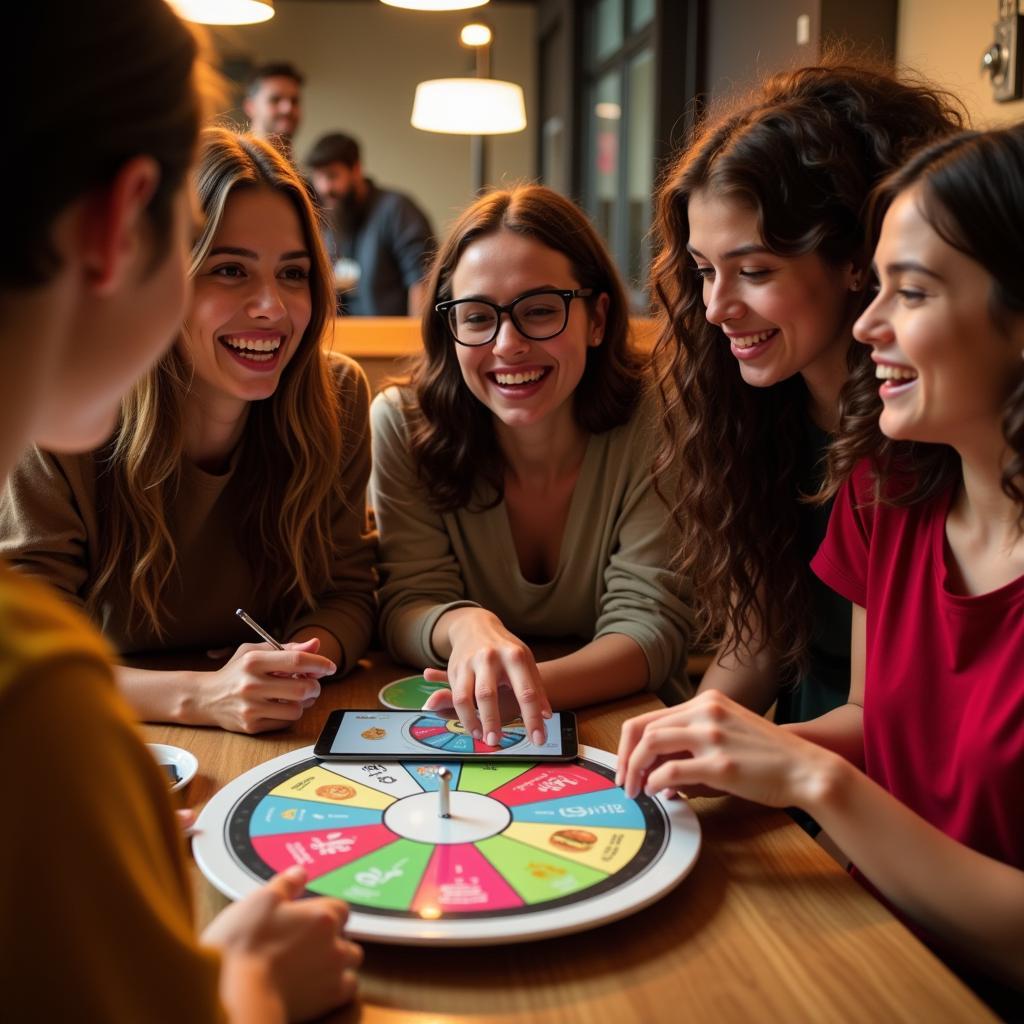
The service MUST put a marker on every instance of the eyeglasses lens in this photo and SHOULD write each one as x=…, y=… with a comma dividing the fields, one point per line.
x=537, y=317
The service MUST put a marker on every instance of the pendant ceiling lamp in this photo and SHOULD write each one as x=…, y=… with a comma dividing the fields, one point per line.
x=224, y=12
x=435, y=5
x=477, y=107
x=469, y=106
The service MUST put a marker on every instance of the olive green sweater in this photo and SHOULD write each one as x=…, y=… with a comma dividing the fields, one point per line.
x=611, y=576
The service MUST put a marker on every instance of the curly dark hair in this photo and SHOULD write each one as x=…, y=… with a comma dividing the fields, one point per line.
x=452, y=437
x=804, y=154
x=972, y=194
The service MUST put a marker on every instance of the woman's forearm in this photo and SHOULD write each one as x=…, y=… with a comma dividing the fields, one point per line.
x=971, y=901
x=751, y=680
x=329, y=647
x=840, y=730
x=160, y=695
x=608, y=667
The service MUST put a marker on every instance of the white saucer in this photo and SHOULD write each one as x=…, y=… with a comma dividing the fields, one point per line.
x=183, y=760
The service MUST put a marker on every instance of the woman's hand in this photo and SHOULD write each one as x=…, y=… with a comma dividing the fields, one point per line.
x=260, y=688
x=492, y=672
x=294, y=947
x=713, y=741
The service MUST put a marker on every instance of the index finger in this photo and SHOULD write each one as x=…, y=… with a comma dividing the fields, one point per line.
x=524, y=678
x=292, y=663
x=632, y=733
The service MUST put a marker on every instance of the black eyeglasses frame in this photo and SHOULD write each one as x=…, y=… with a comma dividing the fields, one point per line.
x=565, y=294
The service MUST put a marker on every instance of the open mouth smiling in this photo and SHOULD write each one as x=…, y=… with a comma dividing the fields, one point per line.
x=519, y=378
x=747, y=341
x=250, y=349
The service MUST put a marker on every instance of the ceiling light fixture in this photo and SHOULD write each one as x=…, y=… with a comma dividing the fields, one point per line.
x=224, y=12
x=476, y=33
x=469, y=106
x=435, y=5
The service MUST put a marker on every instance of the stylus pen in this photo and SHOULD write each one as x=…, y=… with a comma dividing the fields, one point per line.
x=257, y=628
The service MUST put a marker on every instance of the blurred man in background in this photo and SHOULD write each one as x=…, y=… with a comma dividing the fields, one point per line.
x=379, y=240
x=273, y=103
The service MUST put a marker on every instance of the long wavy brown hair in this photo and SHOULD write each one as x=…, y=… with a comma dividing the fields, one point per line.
x=452, y=436
x=291, y=445
x=972, y=194
x=804, y=155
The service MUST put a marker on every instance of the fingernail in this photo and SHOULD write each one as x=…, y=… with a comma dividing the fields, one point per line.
x=546, y=713
x=492, y=739
x=538, y=737
x=477, y=734
x=334, y=668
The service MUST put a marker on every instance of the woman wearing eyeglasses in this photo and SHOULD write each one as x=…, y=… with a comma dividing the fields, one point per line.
x=511, y=477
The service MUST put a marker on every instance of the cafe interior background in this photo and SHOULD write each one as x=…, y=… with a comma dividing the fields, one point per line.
x=609, y=86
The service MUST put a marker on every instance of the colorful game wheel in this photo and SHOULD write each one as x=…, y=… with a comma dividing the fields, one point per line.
x=530, y=850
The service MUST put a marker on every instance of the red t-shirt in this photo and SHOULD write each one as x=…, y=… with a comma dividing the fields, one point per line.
x=944, y=680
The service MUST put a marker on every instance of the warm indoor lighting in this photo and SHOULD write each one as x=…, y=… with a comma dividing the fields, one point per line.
x=224, y=12
x=608, y=111
x=435, y=5
x=475, y=34
x=469, y=106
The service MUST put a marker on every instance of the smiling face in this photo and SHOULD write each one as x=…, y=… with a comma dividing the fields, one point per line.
x=275, y=107
x=945, y=368
x=782, y=315
x=525, y=383
x=252, y=300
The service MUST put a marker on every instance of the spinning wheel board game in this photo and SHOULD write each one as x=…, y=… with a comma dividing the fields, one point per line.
x=530, y=850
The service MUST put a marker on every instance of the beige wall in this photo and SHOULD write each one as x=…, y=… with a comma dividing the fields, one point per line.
x=362, y=61
x=945, y=40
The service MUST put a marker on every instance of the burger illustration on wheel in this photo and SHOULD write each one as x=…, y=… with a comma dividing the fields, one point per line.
x=578, y=840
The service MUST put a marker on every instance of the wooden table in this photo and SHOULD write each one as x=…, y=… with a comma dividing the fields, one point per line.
x=767, y=927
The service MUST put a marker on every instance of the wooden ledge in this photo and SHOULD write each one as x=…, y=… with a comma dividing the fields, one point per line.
x=392, y=337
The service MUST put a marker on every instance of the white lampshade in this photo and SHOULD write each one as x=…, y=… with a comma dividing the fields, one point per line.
x=224, y=12
x=435, y=5
x=469, y=106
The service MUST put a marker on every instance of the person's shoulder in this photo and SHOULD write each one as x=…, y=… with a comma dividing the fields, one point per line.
x=400, y=204
x=883, y=486
x=346, y=374
x=79, y=468
x=391, y=409
x=38, y=631
x=350, y=385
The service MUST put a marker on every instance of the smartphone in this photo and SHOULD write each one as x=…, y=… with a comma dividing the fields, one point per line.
x=374, y=735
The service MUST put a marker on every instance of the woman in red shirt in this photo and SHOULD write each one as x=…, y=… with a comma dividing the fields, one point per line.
x=916, y=776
